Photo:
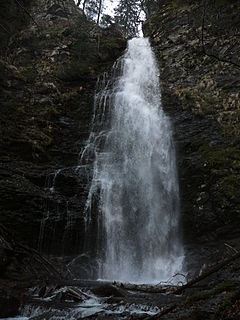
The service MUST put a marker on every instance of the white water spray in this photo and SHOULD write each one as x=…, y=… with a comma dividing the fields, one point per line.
x=134, y=174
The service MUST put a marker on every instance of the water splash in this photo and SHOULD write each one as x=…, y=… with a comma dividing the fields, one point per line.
x=134, y=174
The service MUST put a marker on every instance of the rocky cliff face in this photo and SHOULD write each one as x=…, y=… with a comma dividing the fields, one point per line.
x=47, y=81
x=197, y=46
x=48, y=71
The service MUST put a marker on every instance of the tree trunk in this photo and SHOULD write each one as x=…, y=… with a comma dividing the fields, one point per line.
x=84, y=4
x=99, y=11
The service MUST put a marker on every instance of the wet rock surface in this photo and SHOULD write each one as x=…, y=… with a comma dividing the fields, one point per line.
x=214, y=297
x=48, y=75
x=196, y=45
x=47, y=82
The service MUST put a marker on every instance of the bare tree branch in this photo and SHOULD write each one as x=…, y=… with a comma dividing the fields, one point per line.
x=212, y=55
x=26, y=11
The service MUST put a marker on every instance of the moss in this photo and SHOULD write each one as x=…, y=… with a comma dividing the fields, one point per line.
x=9, y=107
x=229, y=308
x=84, y=50
x=71, y=99
x=231, y=130
x=56, y=31
x=76, y=71
x=187, y=97
x=198, y=315
x=33, y=42
x=221, y=165
x=47, y=112
x=199, y=102
x=221, y=2
x=208, y=104
x=156, y=20
x=227, y=285
x=2, y=71
x=197, y=296
x=224, y=169
x=229, y=187
x=221, y=156
x=110, y=43
x=29, y=74
x=179, y=3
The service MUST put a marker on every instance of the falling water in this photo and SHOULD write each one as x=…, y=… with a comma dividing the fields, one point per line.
x=49, y=187
x=134, y=174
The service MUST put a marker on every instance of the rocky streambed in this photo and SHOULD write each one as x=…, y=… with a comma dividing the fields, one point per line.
x=215, y=296
x=36, y=287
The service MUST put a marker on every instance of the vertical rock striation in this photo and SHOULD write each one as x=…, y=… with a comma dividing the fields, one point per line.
x=197, y=46
x=47, y=81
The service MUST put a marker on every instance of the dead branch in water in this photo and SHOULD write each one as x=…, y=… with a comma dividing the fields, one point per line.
x=146, y=288
x=27, y=12
x=17, y=249
x=207, y=273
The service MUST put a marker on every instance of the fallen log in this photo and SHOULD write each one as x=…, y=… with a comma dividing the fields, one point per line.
x=207, y=273
x=84, y=283
x=145, y=288
x=109, y=290
x=76, y=295
x=180, y=290
x=26, y=256
x=41, y=259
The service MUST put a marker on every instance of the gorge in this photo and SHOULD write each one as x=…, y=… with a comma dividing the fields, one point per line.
x=157, y=138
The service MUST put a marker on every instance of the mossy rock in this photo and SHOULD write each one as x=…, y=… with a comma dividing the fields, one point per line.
x=221, y=156
x=229, y=188
x=198, y=296
x=9, y=107
x=199, y=315
x=29, y=74
x=2, y=70
x=33, y=42
x=47, y=111
x=12, y=18
x=76, y=71
x=180, y=3
x=228, y=286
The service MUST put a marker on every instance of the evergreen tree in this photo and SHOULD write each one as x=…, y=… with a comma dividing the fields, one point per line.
x=106, y=20
x=127, y=15
x=92, y=8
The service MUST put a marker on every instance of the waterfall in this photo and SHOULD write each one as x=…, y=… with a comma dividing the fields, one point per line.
x=134, y=180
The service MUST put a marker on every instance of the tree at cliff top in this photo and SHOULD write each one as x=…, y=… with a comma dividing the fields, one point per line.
x=127, y=15
x=92, y=8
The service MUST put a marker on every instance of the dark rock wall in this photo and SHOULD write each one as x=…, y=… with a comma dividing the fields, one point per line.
x=48, y=73
x=12, y=19
x=197, y=48
x=47, y=81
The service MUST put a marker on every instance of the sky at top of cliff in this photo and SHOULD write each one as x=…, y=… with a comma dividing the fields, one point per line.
x=109, y=6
